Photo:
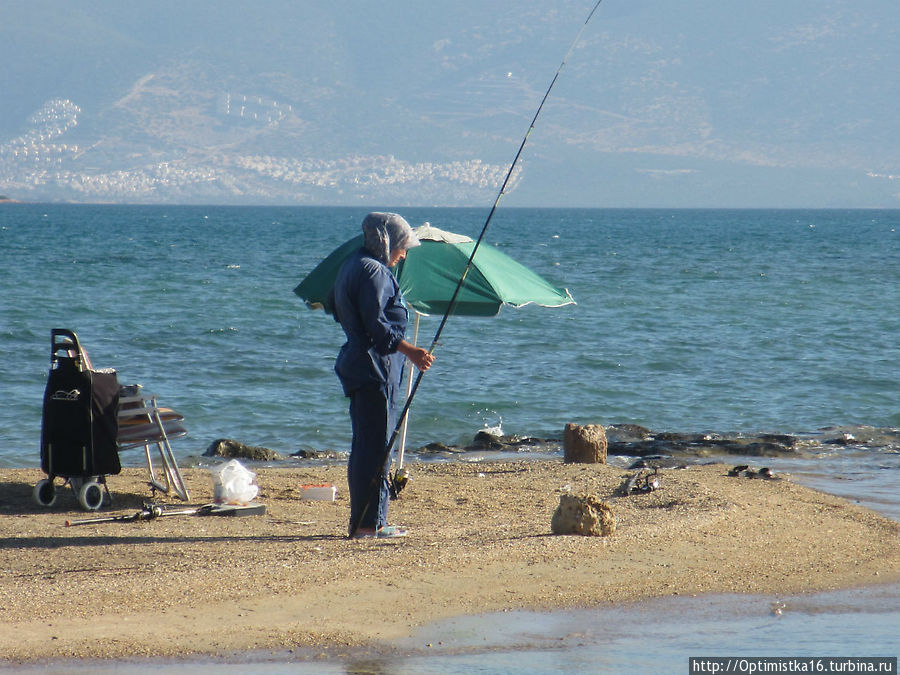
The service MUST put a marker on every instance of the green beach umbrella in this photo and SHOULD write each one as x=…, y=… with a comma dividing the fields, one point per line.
x=429, y=276
x=430, y=273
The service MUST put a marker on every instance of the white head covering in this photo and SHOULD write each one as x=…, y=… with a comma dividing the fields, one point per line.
x=386, y=232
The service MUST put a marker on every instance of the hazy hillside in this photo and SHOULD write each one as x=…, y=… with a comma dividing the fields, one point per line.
x=403, y=102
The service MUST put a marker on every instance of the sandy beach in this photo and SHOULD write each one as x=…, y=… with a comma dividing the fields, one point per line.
x=480, y=541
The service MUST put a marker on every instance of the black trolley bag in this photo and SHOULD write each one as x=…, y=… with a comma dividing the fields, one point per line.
x=79, y=424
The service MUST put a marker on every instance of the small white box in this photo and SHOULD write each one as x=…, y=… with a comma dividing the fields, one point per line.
x=319, y=492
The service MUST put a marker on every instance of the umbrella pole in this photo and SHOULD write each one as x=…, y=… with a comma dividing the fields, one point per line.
x=409, y=379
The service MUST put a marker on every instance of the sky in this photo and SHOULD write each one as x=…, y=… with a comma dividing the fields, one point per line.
x=700, y=103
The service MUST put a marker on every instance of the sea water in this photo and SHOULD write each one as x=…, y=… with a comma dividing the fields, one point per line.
x=708, y=320
x=741, y=321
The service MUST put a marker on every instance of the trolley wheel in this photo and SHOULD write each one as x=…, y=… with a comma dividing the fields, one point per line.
x=90, y=496
x=44, y=492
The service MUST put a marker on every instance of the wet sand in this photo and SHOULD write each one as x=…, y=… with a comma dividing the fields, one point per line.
x=479, y=542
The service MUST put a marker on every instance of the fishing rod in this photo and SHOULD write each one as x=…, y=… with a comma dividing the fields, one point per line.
x=152, y=511
x=148, y=512
x=397, y=483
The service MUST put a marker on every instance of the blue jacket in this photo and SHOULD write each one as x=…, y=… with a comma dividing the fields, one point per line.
x=369, y=306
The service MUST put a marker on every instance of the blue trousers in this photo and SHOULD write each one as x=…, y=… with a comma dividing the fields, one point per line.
x=372, y=416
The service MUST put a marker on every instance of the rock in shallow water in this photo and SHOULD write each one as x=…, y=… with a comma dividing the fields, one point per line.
x=228, y=448
x=584, y=444
x=638, y=441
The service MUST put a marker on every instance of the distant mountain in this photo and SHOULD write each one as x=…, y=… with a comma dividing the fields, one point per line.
x=703, y=104
x=279, y=106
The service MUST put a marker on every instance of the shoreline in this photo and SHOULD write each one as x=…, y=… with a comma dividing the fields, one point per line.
x=480, y=542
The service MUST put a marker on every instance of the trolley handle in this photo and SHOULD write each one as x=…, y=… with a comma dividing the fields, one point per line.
x=64, y=342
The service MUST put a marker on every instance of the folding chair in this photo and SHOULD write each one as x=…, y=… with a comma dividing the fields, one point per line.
x=143, y=423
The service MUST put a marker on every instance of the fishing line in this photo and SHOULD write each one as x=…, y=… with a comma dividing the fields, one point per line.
x=354, y=526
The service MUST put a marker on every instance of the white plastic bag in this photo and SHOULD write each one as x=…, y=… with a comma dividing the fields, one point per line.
x=233, y=483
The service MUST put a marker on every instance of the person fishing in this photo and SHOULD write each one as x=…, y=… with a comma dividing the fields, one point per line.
x=421, y=358
x=368, y=304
